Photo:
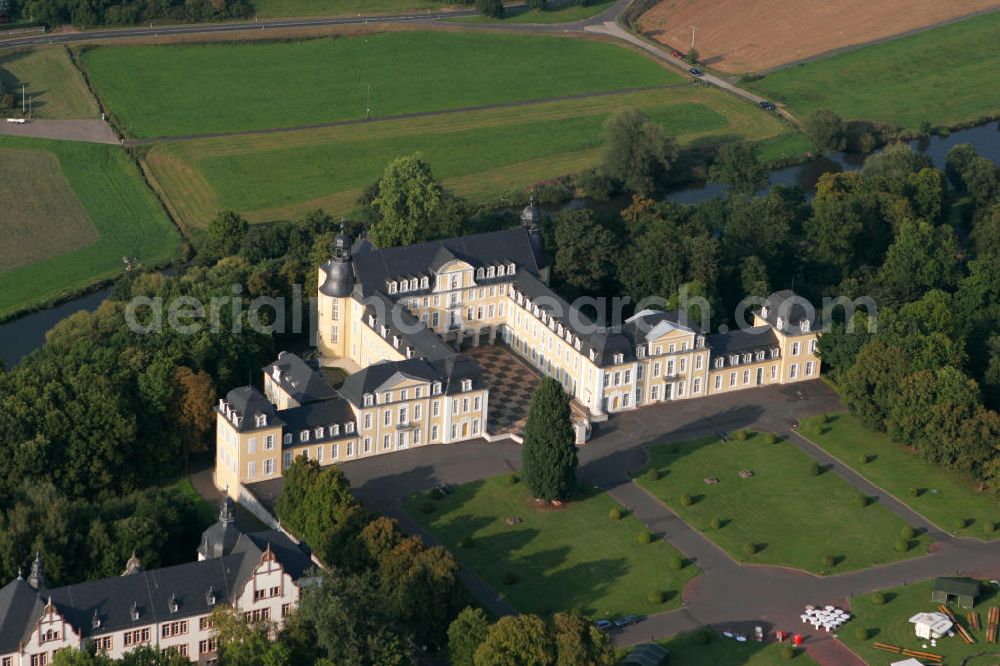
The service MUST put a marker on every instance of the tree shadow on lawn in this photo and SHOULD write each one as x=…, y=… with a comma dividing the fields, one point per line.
x=545, y=587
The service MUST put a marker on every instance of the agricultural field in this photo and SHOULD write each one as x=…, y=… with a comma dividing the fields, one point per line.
x=735, y=36
x=901, y=82
x=283, y=175
x=888, y=623
x=181, y=90
x=72, y=211
x=792, y=517
x=937, y=494
x=573, y=557
x=282, y=8
x=55, y=86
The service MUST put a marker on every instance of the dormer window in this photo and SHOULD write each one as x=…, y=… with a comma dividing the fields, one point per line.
x=576, y=344
x=134, y=612
x=288, y=438
x=480, y=273
x=764, y=311
x=719, y=362
x=466, y=384
x=437, y=388
x=368, y=400
x=510, y=269
x=304, y=436
x=747, y=358
x=491, y=272
x=174, y=606
x=349, y=427
x=500, y=270
x=96, y=621
x=700, y=342
x=424, y=283
x=734, y=360
x=261, y=420
x=619, y=358
x=781, y=323
x=334, y=430
x=640, y=351
x=319, y=432
x=760, y=355
x=774, y=352
x=806, y=325
x=413, y=284
x=392, y=287
x=210, y=597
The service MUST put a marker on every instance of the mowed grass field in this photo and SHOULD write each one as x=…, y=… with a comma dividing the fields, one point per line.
x=938, y=494
x=575, y=557
x=793, y=517
x=686, y=650
x=889, y=623
x=180, y=90
x=55, y=86
x=944, y=76
x=82, y=208
x=281, y=176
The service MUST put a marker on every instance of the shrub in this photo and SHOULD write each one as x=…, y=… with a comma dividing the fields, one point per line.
x=702, y=637
x=466, y=542
x=825, y=418
x=907, y=532
x=427, y=507
x=676, y=563
x=512, y=480
x=510, y=578
x=863, y=500
x=829, y=560
x=615, y=514
x=655, y=597
x=491, y=8
x=749, y=548
x=989, y=527
x=435, y=494
x=814, y=468
x=861, y=633
x=653, y=474
x=692, y=57
x=645, y=537
x=686, y=500
x=916, y=492
x=960, y=523
x=715, y=523
x=787, y=652
x=770, y=438
x=741, y=435
x=878, y=599
x=902, y=545
x=863, y=459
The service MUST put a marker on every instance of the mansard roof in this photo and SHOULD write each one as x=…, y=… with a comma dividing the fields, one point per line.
x=401, y=324
x=791, y=309
x=740, y=340
x=333, y=411
x=651, y=324
x=449, y=371
x=247, y=403
x=111, y=600
x=373, y=266
x=299, y=379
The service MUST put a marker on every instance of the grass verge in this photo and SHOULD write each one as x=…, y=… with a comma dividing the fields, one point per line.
x=574, y=557
x=708, y=648
x=936, y=493
x=55, y=86
x=790, y=516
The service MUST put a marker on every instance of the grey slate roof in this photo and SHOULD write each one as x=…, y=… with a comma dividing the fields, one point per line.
x=411, y=331
x=373, y=266
x=791, y=308
x=449, y=371
x=758, y=337
x=151, y=591
x=957, y=586
x=323, y=414
x=248, y=403
x=299, y=379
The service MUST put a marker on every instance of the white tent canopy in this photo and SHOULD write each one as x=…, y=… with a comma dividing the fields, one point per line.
x=931, y=625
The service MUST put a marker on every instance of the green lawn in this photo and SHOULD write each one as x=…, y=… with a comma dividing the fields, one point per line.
x=55, y=86
x=889, y=624
x=128, y=219
x=280, y=8
x=944, y=76
x=688, y=650
x=560, y=14
x=943, y=497
x=281, y=176
x=574, y=557
x=793, y=517
x=203, y=88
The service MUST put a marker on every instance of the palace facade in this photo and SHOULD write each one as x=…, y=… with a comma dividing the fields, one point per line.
x=257, y=574
x=400, y=315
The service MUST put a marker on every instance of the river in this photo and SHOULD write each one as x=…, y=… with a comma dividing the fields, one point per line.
x=24, y=334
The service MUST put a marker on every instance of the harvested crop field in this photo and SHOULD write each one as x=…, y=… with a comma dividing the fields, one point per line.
x=738, y=36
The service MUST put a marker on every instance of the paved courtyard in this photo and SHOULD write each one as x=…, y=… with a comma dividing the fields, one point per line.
x=511, y=382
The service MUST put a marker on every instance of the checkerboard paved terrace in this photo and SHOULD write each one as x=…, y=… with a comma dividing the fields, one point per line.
x=512, y=382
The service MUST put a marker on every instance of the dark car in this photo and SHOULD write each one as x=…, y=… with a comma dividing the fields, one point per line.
x=696, y=71
x=677, y=54
x=767, y=106
x=630, y=619
x=603, y=625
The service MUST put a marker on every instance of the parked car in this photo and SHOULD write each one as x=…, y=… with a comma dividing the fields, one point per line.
x=696, y=71
x=603, y=625
x=767, y=106
x=678, y=54
x=630, y=619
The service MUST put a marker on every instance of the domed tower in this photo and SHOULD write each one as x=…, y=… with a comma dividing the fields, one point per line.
x=219, y=539
x=339, y=272
x=531, y=221
x=36, y=578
